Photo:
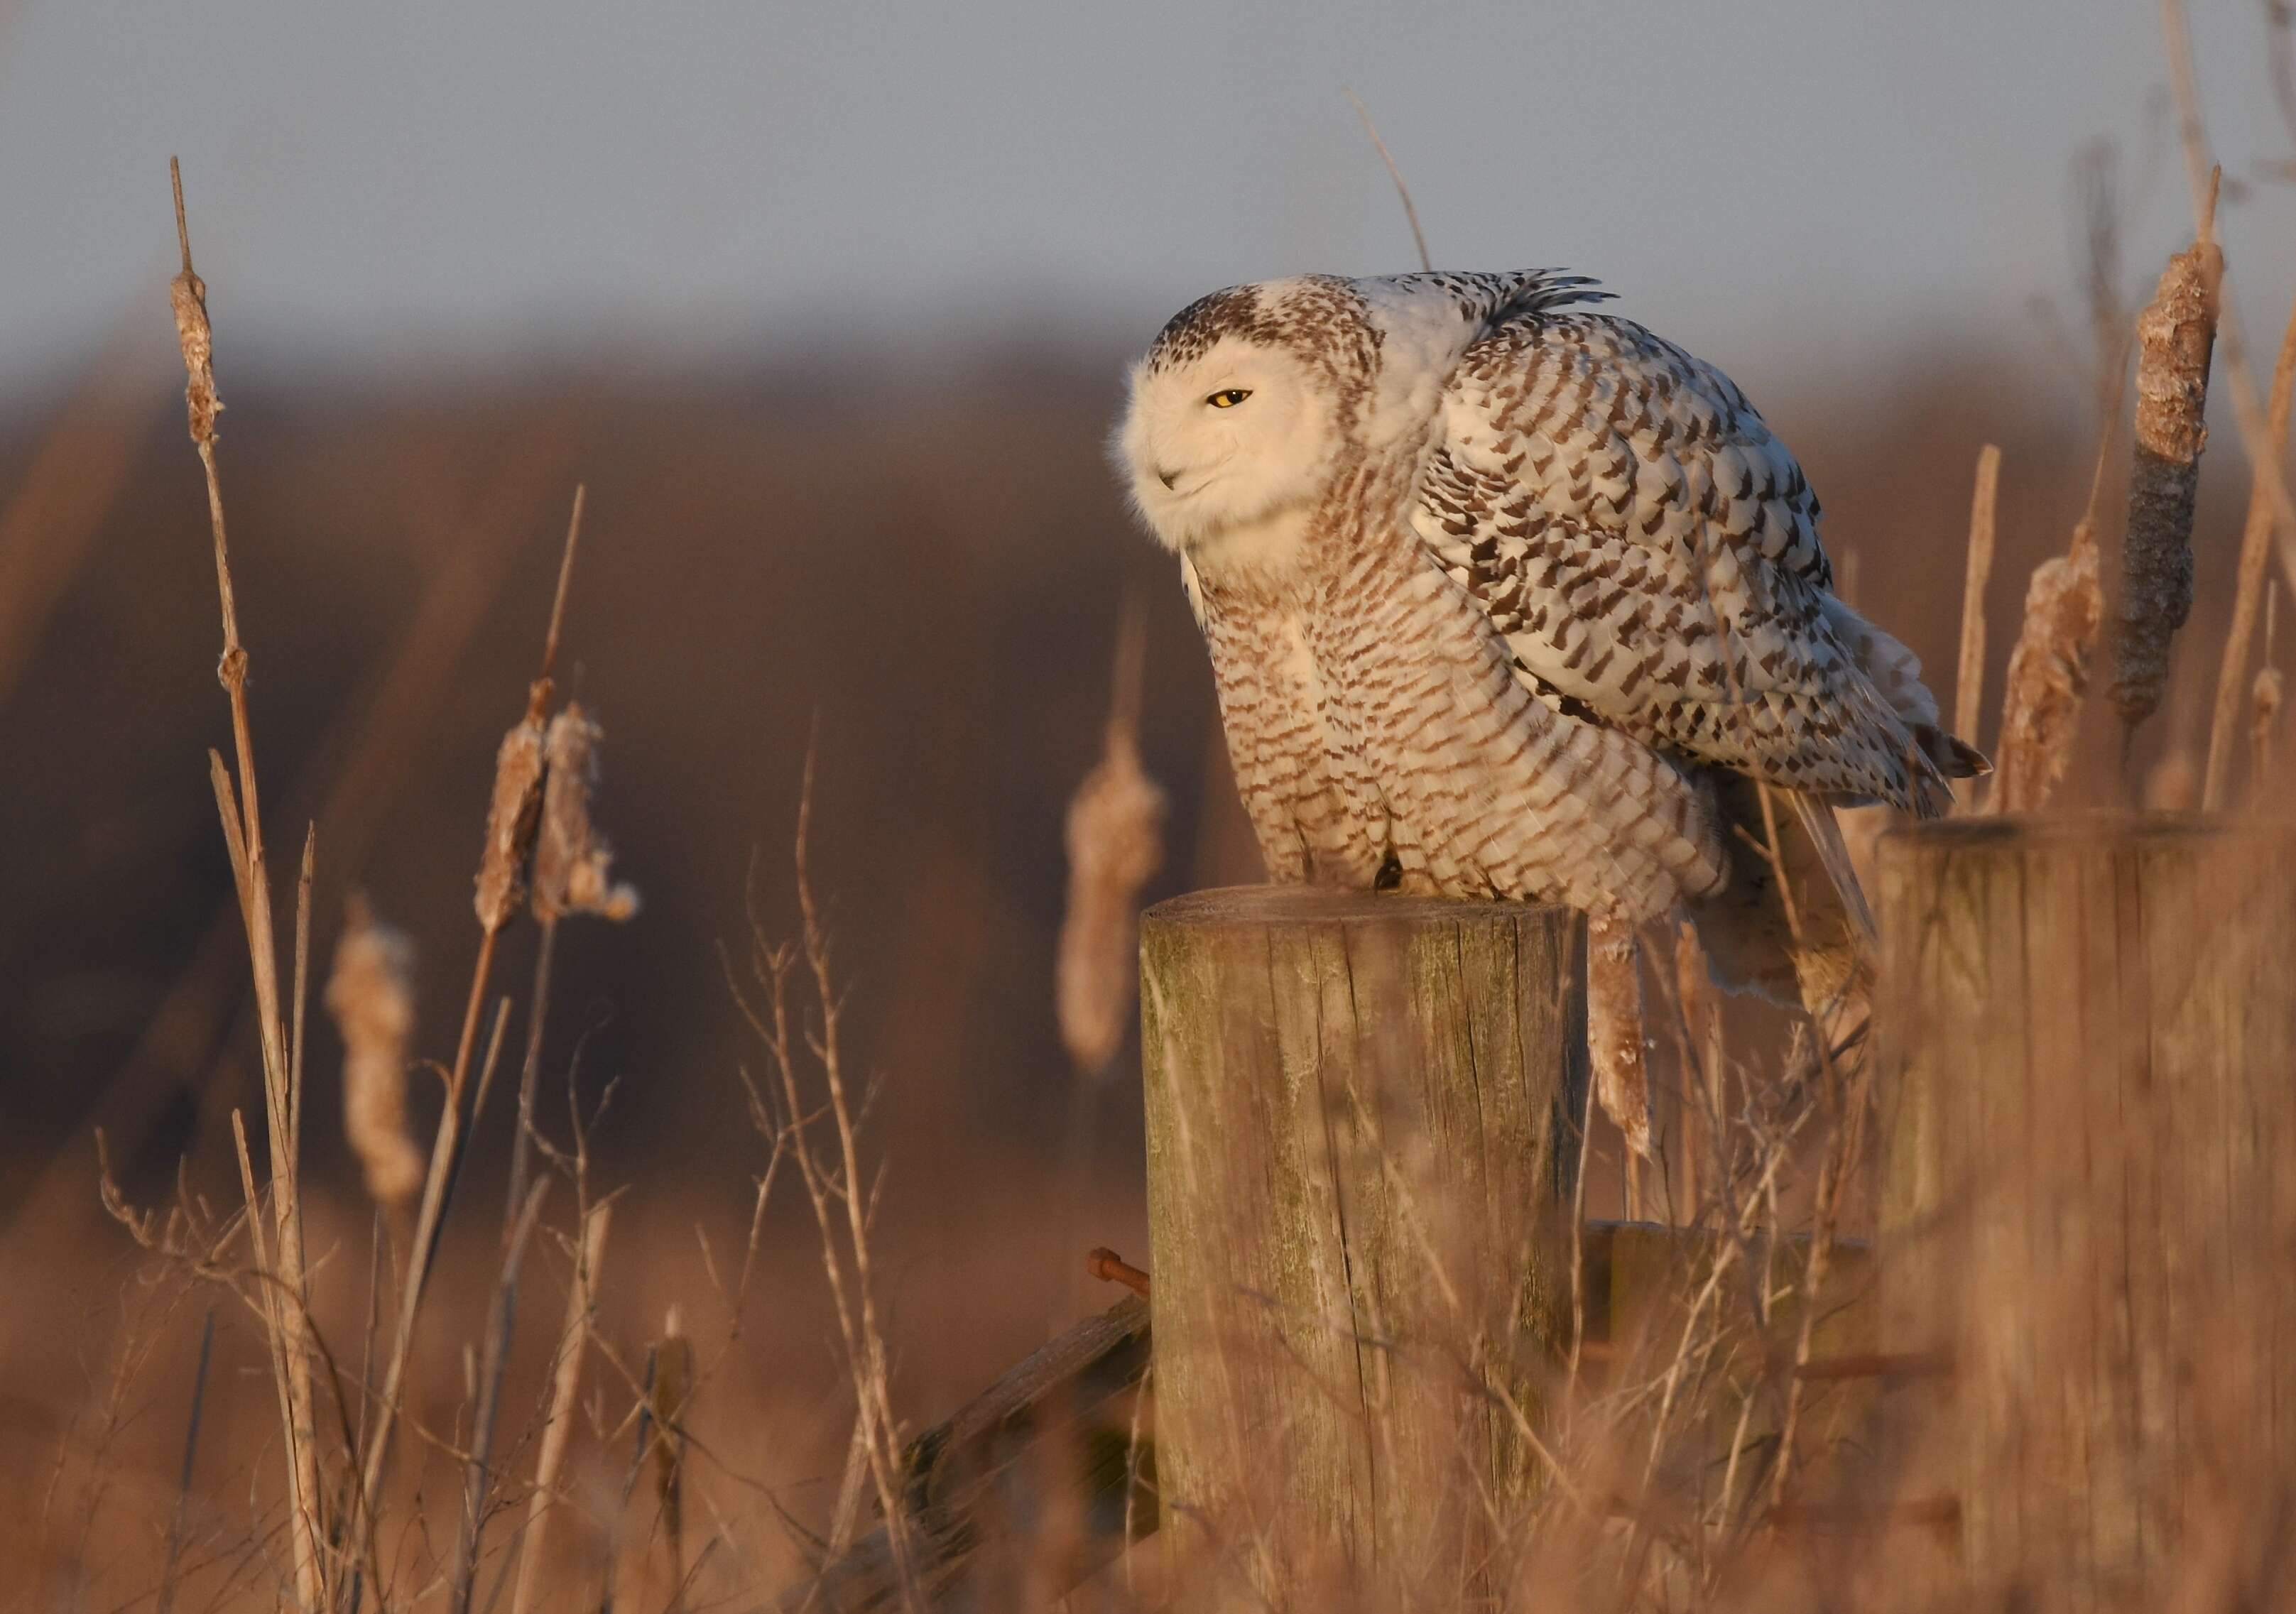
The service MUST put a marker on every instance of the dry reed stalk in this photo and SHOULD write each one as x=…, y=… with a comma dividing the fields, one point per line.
x=268, y=1310
x=2264, y=717
x=373, y=1461
x=2264, y=707
x=513, y=817
x=176, y=1521
x=489, y=1403
x=242, y=821
x=571, y=860
x=565, y=1383
x=1115, y=845
x=2175, y=336
x=2255, y=559
x=371, y=993
x=1969, y=684
x=571, y=875
x=1411, y=213
x=671, y=1397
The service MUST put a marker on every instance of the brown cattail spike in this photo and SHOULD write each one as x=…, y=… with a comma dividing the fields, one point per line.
x=370, y=995
x=572, y=861
x=2176, y=336
x=511, y=820
x=189, y=294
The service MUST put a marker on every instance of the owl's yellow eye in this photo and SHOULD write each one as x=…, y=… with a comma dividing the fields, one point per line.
x=1228, y=399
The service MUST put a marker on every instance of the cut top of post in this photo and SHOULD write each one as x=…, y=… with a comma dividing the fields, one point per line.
x=1324, y=905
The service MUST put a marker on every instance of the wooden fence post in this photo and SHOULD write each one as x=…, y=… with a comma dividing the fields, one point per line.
x=1363, y=1114
x=2088, y=1045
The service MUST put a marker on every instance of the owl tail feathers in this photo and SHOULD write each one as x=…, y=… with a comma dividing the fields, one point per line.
x=1810, y=942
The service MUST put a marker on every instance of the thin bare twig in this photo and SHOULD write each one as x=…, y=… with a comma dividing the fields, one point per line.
x=167, y=1599
x=1969, y=685
x=1410, y=212
x=2255, y=558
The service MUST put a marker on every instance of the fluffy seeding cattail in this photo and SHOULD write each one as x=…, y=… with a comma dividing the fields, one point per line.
x=572, y=861
x=369, y=995
x=2049, y=675
x=1115, y=845
x=2176, y=336
x=511, y=822
x=1614, y=1029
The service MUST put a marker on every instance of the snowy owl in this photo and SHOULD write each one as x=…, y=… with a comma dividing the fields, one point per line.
x=1507, y=597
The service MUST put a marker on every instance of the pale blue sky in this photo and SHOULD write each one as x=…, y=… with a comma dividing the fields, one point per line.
x=1787, y=185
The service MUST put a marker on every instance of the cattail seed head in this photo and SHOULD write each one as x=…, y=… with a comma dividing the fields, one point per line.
x=189, y=294
x=511, y=820
x=2176, y=336
x=2049, y=675
x=369, y=994
x=1115, y=845
x=572, y=860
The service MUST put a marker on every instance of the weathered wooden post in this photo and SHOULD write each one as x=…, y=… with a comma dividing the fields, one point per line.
x=1362, y=1133
x=2089, y=1037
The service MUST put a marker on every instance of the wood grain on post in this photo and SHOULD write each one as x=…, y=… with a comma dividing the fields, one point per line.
x=2088, y=1036
x=1361, y=1120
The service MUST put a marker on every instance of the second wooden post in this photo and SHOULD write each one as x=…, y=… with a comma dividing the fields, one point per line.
x=1363, y=1115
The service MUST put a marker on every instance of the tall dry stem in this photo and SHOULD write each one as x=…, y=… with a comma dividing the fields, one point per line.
x=513, y=815
x=565, y=1383
x=1969, y=683
x=242, y=821
x=2255, y=558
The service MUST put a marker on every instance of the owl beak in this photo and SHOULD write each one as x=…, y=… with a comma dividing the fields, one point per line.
x=1166, y=476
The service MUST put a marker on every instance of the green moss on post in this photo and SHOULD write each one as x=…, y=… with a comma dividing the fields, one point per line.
x=1362, y=1114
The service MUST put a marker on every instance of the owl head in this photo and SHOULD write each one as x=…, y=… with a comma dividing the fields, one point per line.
x=1254, y=401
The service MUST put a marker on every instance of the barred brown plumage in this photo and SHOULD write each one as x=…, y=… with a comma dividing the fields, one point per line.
x=1503, y=594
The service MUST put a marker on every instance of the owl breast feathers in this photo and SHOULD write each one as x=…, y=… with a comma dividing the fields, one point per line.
x=1509, y=597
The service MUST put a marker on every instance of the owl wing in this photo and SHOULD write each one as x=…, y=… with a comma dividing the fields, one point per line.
x=1649, y=552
